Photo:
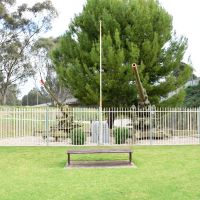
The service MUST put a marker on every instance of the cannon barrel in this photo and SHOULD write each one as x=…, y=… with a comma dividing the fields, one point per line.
x=53, y=96
x=66, y=122
x=64, y=109
x=141, y=91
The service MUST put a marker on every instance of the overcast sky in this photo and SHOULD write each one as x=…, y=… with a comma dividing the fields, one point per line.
x=185, y=21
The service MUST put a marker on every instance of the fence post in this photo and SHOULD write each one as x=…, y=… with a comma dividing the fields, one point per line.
x=198, y=123
x=150, y=126
x=47, y=125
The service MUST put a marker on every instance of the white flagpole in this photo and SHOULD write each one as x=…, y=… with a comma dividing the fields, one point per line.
x=100, y=103
x=100, y=98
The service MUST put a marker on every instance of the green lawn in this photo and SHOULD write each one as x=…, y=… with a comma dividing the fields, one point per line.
x=162, y=173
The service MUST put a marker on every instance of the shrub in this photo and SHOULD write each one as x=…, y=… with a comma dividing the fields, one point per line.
x=121, y=134
x=78, y=137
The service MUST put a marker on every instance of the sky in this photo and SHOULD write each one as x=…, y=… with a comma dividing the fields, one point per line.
x=185, y=15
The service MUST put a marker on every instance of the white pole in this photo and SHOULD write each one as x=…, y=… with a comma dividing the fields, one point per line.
x=100, y=102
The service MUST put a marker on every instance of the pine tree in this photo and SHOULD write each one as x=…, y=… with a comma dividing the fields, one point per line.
x=137, y=31
x=192, y=98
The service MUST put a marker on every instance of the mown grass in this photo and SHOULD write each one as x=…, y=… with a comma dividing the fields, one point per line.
x=38, y=173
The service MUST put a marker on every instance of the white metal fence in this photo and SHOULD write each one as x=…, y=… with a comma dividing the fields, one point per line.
x=81, y=126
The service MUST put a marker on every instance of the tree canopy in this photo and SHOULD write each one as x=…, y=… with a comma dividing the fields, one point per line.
x=192, y=98
x=45, y=69
x=35, y=97
x=138, y=31
x=20, y=27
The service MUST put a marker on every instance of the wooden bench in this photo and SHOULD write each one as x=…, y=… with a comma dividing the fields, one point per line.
x=96, y=151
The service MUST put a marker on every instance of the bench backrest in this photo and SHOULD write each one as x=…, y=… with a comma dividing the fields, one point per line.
x=91, y=151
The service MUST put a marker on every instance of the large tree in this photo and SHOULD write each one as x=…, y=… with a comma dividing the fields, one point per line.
x=44, y=68
x=20, y=27
x=192, y=98
x=11, y=94
x=137, y=31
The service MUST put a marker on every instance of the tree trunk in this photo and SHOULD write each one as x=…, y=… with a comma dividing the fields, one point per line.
x=3, y=98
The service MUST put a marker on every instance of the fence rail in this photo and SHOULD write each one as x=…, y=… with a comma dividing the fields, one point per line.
x=82, y=126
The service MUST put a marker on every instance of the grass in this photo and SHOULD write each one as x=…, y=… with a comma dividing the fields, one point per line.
x=162, y=173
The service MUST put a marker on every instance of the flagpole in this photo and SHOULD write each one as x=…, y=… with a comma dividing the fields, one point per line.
x=100, y=103
x=100, y=88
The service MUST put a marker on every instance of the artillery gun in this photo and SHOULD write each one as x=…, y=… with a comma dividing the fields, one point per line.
x=142, y=95
x=65, y=121
x=144, y=117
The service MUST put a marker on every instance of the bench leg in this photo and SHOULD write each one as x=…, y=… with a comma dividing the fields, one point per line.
x=130, y=157
x=68, y=159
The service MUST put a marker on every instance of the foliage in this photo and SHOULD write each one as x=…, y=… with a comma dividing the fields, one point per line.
x=35, y=97
x=78, y=137
x=121, y=134
x=174, y=101
x=11, y=95
x=137, y=31
x=45, y=69
x=20, y=28
x=41, y=60
x=192, y=98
